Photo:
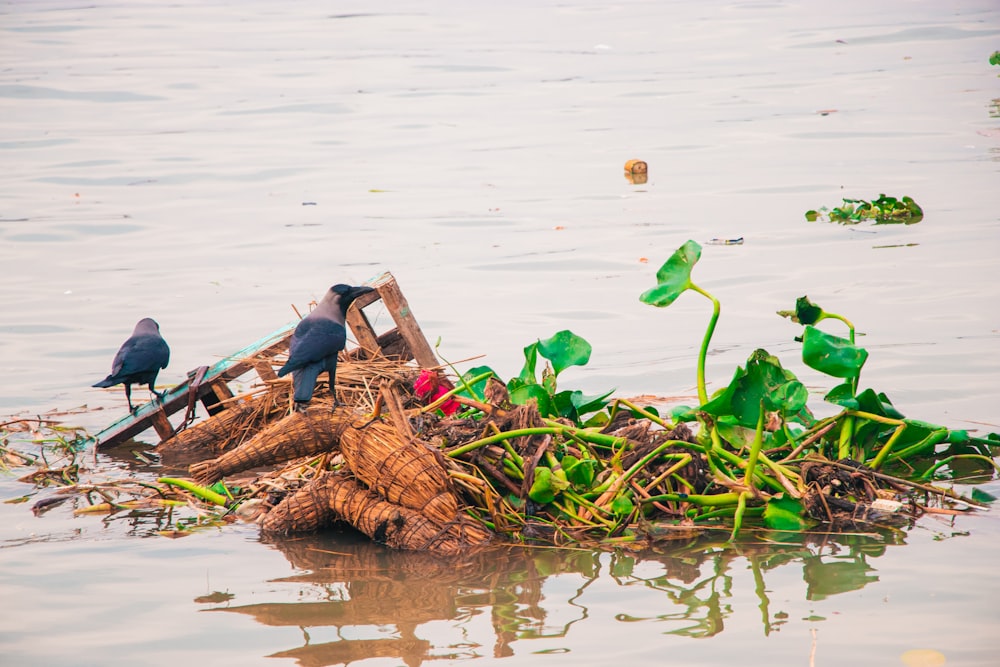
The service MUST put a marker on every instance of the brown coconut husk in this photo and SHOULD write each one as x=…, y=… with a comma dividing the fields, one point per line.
x=403, y=472
x=299, y=434
x=384, y=522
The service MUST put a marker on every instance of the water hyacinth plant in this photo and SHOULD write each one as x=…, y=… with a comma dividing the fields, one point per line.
x=881, y=211
x=756, y=451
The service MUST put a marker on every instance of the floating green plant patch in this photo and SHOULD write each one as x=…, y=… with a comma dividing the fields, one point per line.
x=882, y=211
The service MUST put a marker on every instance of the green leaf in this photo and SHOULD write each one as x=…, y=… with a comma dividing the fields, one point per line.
x=542, y=490
x=812, y=215
x=527, y=374
x=761, y=378
x=831, y=354
x=580, y=472
x=806, y=312
x=879, y=404
x=736, y=435
x=598, y=420
x=622, y=506
x=788, y=398
x=995, y=58
x=843, y=395
x=562, y=405
x=479, y=387
x=784, y=513
x=585, y=404
x=982, y=496
x=674, y=277
x=682, y=413
x=521, y=393
x=565, y=349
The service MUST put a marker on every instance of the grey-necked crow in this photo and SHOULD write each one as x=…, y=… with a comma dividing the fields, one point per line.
x=317, y=341
x=139, y=360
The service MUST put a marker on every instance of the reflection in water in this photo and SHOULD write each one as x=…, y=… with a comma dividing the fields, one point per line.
x=353, y=586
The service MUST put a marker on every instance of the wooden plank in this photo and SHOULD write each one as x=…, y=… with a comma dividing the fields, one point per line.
x=398, y=307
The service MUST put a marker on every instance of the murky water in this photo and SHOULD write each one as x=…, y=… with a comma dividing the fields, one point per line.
x=211, y=164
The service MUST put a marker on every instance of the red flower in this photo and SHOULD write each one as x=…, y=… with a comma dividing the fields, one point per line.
x=431, y=386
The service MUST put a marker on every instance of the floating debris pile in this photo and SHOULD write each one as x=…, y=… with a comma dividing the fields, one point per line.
x=422, y=459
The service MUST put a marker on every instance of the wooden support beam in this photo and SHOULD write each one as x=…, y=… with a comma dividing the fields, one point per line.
x=265, y=370
x=163, y=427
x=362, y=329
x=400, y=311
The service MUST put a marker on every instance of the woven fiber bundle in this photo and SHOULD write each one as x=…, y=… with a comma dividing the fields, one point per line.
x=218, y=433
x=335, y=495
x=299, y=434
x=304, y=511
x=399, y=527
x=401, y=471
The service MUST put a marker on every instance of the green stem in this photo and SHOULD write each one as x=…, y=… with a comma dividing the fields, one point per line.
x=500, y=437
x=199, y=491
x=927, y=443
x=758, y=440
x=740, y=463
x=645, y=413
x=887, y=448
x=943, y=462
x=702, y=500
x=515, y=458
x=846, y=438
x=729, y=511
x=466, y=385
x=703, y=352
x=741, y=507
x=850, y=326
x=874, y=417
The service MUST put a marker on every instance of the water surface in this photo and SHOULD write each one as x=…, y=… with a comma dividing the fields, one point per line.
x=211, y=164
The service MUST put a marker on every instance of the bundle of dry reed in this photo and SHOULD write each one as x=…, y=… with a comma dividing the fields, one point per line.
x=303, y=511
x=401, y=471
x=299, y=434
x=221, y=432
x=384, y=522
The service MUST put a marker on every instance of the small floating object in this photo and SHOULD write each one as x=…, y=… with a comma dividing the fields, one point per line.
x=636, y=171
x=886, y=505
x=738, y=241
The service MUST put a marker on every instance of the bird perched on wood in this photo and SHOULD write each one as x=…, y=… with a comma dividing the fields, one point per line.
x=317, y=341
x=139, y=360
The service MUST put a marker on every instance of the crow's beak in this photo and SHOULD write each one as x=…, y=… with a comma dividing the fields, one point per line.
x=355, y=292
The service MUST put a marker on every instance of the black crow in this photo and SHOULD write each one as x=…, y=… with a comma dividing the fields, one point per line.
x=317, y=341
x=139, y=360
